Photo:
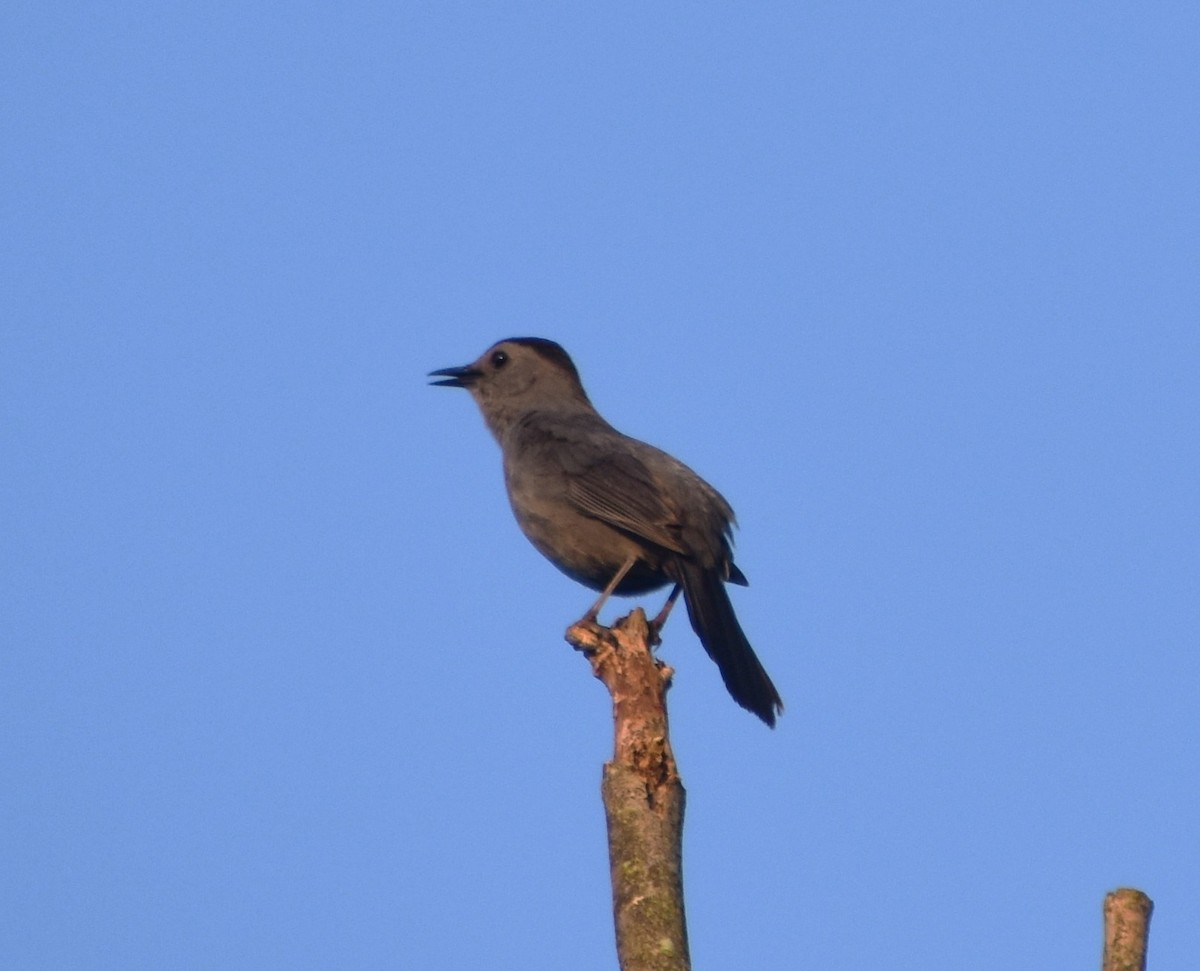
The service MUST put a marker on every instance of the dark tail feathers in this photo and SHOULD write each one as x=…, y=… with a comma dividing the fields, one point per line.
x=717, y=626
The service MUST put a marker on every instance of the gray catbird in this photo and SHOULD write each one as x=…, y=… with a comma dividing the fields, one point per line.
x=614, y=513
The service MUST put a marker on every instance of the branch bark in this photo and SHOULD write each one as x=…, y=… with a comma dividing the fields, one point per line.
x=1126, y=930
x=643, y=797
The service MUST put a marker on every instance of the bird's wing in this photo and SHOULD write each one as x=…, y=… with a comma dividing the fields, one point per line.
x=617, y=488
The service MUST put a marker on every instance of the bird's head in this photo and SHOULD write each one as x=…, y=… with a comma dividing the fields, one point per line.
x=516, y=376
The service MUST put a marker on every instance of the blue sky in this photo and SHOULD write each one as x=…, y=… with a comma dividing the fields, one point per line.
x=916, y=286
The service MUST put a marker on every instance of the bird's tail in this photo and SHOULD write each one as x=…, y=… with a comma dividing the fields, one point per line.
x=715, y=623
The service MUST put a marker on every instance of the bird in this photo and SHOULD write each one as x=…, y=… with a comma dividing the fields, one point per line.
x=612, y=512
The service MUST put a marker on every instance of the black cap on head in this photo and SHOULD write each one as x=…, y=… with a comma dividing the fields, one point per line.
x=549, y=350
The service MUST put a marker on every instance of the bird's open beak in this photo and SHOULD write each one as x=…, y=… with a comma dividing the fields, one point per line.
x=455, y=377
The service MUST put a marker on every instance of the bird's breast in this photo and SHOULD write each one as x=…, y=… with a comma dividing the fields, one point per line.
x=588, y=550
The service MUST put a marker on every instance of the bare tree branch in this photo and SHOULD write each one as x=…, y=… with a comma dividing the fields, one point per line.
x=643, y=797
x=1126, y=930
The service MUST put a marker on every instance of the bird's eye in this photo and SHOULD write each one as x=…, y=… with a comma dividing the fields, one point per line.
x=499, y=359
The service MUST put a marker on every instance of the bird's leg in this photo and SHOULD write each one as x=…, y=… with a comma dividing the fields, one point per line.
x=594, y=611
x=656, y=624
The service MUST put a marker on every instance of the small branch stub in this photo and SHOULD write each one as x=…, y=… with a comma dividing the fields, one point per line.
x=1126, y=930
x=643, y=797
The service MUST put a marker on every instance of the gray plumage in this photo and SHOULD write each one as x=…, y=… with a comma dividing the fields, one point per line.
x=611, y=512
